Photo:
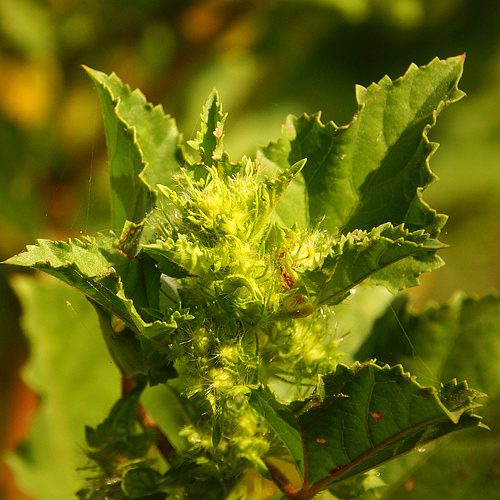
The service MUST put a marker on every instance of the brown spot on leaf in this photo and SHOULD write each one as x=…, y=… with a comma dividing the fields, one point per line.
x=320, y=440
x=316, y=404
x=377, y=415
x=130, y=233
x=335, y=469
x=410, y=484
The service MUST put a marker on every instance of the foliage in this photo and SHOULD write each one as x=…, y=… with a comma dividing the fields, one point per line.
x=46, y=467
x=213, y=285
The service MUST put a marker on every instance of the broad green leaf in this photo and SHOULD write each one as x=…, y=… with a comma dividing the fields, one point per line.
x=374, y=170
x=81, y=264
x=131, y=197
x=271, y=191
x=291, y=207
x=462, y=336
x=158, y=138
x=71, y=370
x=95, y=267
x=362, y=416
x=181, y=257
x=390, y=256
x=140, y=482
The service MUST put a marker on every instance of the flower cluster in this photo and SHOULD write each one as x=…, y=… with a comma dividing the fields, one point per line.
x=240, y=274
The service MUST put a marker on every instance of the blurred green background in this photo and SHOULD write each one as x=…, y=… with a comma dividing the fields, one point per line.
x=267, y=58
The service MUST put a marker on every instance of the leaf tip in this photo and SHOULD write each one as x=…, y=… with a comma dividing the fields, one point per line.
x=94, y=74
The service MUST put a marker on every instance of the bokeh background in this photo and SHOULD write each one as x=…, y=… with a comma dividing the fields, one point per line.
x=267, y=58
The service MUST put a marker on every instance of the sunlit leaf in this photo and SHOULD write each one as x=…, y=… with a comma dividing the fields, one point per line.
x=156, y=133
x=361, y=417
x=374, y=170
x=209, y=140
x=390, y=256
x=96, y=267
x=461, y=336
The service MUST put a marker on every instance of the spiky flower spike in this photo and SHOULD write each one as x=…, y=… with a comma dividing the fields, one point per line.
x=239, y=274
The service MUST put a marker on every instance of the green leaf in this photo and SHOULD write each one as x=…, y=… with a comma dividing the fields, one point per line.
x=80, y=263
x=374, y=170
x=131, y=197
x=291, y=208
x=107, y=277
x=70, y=369
x=460, y=336
x=119, y=424
x=362, y=416
x=390, y=256
x=158, y=138
x=209, y=140
x=271, y=191
x=96, y=267
x=181, y=257
x=282, y=421
x=141, y=481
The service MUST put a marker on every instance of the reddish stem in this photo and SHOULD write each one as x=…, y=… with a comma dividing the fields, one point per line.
x=281, y=480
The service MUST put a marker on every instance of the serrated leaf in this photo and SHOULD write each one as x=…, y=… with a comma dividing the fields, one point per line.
x=461, y=336
x=131, y=198
x=292, y=208
x=157, y=135
x=382, y=413
x=79, y=263
x=374, y=170
x=271, y=191
x=209, y=140
x=390, y=256
x=359, y=418
x=96, y=267
x=181, y=257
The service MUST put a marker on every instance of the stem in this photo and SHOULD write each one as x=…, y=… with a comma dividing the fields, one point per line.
x=281, y=481
x=147, y=421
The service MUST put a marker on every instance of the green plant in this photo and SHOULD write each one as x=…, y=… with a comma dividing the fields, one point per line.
x=219, y=280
